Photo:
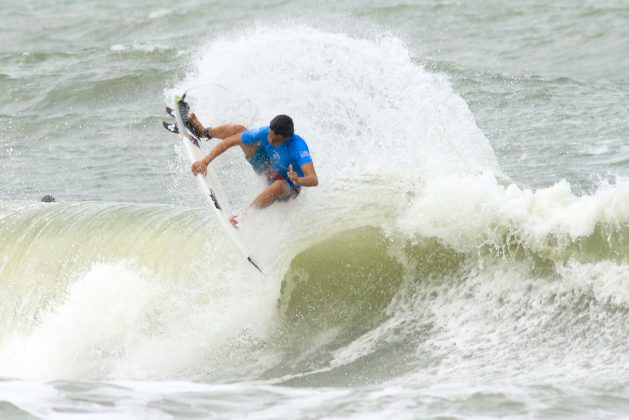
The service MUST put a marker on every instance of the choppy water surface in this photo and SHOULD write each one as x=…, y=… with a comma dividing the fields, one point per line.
x=465, y=255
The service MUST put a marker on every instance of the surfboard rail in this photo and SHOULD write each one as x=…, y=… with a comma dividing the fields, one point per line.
x=211, y=186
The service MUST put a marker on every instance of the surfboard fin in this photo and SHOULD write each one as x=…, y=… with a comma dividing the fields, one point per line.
x=171, y=126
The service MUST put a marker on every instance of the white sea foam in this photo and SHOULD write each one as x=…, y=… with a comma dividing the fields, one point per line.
x=121, y=321
x=82, y=336
x=466, y=211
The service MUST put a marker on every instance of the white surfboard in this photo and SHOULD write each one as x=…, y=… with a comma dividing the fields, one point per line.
x=211, y=187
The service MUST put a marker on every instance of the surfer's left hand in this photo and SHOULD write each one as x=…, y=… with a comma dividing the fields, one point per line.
x=234, y=221
x=293, y=175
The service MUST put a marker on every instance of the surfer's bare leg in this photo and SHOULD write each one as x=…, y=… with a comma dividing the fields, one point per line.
x=224, y=132
x=227, y=131
x=267, y=197
x=270, y=194
x=218, y=132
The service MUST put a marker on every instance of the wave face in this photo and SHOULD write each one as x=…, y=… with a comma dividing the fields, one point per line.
x=416, y=261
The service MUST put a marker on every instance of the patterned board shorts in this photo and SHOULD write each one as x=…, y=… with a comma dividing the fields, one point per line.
x=272, y=176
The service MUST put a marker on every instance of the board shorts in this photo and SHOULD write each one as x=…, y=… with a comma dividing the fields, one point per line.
x=293, y=190
x=262, y=166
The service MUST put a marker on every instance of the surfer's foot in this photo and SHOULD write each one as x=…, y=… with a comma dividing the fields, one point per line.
x=234, y=221
x=190, y=120
x=194, y=125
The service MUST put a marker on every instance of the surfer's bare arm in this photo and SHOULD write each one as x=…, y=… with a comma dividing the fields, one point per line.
x=200, y=166
x=310, y=175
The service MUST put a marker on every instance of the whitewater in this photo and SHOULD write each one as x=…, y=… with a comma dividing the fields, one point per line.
x=419, y=279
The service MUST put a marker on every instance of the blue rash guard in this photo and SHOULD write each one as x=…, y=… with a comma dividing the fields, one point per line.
x=292, y=152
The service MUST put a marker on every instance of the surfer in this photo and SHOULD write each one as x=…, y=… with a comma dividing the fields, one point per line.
x=273, y=151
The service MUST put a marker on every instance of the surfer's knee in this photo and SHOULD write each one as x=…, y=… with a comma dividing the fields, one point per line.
x=271, y=194
x=280, y=188
x=238, y=128
x=228, y=130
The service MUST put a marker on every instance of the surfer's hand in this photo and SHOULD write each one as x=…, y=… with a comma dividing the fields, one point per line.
x=234, y=221
x=199, y=167
x=293, y=175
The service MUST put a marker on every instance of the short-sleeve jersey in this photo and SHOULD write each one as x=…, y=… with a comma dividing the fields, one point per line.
x=292, y=152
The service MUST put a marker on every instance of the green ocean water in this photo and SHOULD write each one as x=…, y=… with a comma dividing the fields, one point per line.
x=465, y=255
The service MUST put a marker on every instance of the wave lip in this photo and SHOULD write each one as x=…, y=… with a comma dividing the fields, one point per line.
x=363, y=104
x=470, y=212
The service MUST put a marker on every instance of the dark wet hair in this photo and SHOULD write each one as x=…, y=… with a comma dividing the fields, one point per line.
x=283, y=125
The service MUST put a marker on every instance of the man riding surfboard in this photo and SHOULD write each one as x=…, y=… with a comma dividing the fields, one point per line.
x=273, y=151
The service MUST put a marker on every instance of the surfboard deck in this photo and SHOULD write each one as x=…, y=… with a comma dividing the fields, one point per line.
x=210, y=185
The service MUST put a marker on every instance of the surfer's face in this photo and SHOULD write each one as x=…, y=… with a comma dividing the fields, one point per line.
x=276, y=139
